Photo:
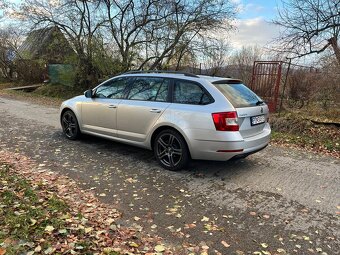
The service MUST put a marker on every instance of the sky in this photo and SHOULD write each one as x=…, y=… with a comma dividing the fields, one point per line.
x=254, y=23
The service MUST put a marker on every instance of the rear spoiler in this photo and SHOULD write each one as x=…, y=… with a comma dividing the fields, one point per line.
x=227, y=81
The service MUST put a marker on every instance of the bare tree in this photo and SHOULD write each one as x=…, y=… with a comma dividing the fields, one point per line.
x=242, y=62
x=309, y=27
x=155, y=31
x=3, y=6
x=214, y=55
x=10, y=40
x=143, y=33
x=78, y=20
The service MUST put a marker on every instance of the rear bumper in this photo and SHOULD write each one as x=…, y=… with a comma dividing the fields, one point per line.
x=225, y=150
x=243, y=155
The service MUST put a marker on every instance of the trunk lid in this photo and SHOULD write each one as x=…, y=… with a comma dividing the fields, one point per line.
x=248, y=118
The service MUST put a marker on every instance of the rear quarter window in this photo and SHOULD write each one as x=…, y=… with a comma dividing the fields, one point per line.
x=239, y=95
x=187, y=92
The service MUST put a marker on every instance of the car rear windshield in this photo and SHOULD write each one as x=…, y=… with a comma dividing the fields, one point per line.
x=239, y=95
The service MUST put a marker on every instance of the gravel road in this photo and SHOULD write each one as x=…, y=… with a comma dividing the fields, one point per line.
x=278, y=201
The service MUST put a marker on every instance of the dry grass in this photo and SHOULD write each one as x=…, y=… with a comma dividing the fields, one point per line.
x=308, y=130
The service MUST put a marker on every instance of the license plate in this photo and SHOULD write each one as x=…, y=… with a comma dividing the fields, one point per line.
x=256, y=120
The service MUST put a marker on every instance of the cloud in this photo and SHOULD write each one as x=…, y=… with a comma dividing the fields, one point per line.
x=251, y=32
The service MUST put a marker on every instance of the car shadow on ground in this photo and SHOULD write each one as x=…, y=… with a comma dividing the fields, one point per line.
x=196, y=168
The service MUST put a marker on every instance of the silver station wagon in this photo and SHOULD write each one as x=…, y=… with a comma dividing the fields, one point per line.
x=180, y=116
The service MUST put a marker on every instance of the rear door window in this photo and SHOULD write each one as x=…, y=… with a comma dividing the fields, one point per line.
x=186, y=92
x=239, y=95
x=149, y=89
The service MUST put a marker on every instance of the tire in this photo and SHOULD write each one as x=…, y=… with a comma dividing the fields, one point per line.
x=171, y=150
x=70, y=125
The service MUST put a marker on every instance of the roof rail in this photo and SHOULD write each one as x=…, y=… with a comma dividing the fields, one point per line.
x=161, y=71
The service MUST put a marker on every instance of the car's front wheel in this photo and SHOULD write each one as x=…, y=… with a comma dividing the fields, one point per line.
x=70, y=125
x=171, y=150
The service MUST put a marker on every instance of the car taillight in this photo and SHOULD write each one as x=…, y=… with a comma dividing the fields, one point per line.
x=225, y=121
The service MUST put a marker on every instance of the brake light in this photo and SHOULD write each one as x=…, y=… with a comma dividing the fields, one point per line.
x=225, y=121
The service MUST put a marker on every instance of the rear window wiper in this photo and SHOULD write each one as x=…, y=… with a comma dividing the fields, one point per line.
x=259, y=102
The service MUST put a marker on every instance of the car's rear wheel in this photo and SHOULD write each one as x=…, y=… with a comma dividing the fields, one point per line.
x=70, y=125
x=171, y=150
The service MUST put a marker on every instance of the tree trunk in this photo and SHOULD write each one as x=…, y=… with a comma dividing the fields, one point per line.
x=336, y=48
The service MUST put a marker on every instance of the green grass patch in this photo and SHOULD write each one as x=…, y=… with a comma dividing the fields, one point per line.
x=58, y=91
x=23, y=215
x=33, y=218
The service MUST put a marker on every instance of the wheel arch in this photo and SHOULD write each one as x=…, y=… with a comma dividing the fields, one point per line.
x=68, y=108
x=165, y=127
x=64, y=110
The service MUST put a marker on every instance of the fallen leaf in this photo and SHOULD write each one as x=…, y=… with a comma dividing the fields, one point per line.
x=110, y=221
x=133, y=244
x=49, y=228
x=107, y=250
x=205, y=218
x=205, y=247
x=37, y=249
x=131, y=180
x=2, y=251
x=49, y=250
x=238, y=252
x=191, y=225
x=159, y=248
x=264, y=245
x=88, y=230
x=225, y=244
x=62, y=231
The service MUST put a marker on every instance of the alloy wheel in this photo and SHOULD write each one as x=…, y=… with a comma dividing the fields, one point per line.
x=169, y=150
x=70, y=125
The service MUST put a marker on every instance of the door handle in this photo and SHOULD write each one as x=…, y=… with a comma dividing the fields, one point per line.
x=112, y=106
x=155, y=110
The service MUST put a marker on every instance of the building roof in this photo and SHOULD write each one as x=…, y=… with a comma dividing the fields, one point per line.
x=46, y=42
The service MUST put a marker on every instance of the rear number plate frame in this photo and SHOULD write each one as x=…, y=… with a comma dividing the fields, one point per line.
x=257, y=120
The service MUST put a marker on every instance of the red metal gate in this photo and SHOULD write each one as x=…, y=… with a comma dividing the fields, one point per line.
x=266, y=81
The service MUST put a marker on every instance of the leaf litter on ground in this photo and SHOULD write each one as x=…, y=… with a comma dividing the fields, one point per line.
x=43, y=211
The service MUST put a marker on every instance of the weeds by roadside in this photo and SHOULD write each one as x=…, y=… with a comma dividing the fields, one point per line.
x=307, y=132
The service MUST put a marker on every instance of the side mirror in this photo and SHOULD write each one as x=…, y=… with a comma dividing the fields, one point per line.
x=88, y=93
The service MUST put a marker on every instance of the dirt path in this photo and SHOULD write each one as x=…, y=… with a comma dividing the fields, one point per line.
x=276, y=201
